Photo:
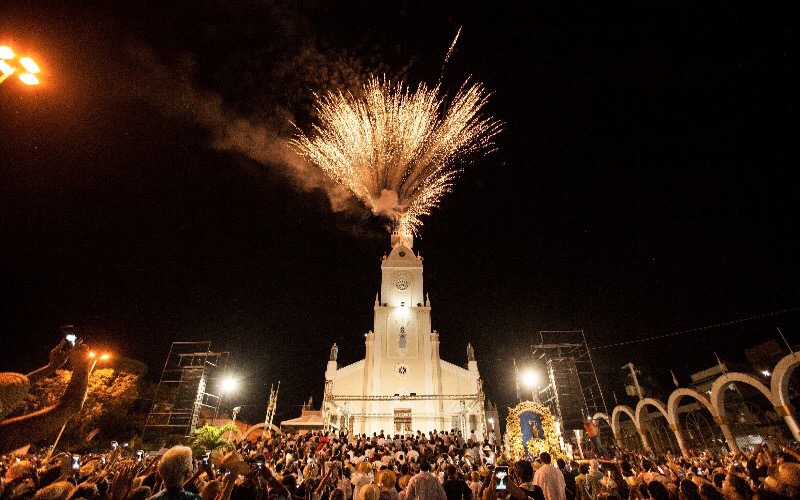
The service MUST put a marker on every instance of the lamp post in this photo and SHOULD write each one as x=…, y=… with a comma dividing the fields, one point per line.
x=25, y=67
x=233, y=420
x=228, y=385
x=531, y=380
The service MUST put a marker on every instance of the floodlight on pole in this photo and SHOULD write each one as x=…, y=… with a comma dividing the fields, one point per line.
x=531, y=380
x=229, y=384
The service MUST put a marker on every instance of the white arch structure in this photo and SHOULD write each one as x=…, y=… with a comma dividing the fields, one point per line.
x=243, y=435
x=777, y=394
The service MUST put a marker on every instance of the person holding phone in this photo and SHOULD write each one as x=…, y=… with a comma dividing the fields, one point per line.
x=17, y=432
x=516, y=484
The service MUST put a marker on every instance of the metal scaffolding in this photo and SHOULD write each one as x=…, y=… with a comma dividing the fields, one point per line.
x=340, y=405
x=186, y=391
x=573, y=391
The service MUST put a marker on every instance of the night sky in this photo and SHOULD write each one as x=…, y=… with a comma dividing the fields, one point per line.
x=644, y=183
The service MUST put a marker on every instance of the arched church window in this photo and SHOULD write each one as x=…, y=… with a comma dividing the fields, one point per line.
x=403, y=343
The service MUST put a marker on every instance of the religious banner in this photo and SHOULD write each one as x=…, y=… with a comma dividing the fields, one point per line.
x=531, y=430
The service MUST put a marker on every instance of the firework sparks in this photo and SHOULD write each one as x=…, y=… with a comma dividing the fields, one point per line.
x=398, y=150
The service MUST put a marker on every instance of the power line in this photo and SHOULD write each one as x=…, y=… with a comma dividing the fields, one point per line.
x=709, y=327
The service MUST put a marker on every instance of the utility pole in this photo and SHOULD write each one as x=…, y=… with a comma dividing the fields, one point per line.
x=635, y=379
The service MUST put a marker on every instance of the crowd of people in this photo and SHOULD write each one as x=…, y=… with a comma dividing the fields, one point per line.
x=441, y=465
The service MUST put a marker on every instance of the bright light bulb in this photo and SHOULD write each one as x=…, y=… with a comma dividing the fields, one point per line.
x=530, y=378
x=229, y=384
x=6, y=68
x=6, y=52
x=29, y=65
x=28, y=79
x=766, y=373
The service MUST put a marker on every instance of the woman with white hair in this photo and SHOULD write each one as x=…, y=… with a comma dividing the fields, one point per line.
x=174, y=468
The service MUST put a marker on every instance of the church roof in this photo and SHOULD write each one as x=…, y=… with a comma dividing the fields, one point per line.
x=402, y=256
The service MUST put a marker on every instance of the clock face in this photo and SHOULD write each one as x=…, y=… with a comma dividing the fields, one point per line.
x=401, y=282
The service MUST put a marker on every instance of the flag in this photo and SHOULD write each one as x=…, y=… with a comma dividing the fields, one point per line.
x=674, y=380
x=720, y=363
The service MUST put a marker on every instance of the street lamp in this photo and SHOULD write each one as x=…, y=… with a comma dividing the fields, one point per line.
x=531, y=380
x=27, y=68
x=227, y=385
x=233, y=420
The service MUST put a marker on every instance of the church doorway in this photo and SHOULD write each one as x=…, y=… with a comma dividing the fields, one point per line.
x=402, y=421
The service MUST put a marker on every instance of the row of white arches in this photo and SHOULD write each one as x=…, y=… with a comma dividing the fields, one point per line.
x=777, y=394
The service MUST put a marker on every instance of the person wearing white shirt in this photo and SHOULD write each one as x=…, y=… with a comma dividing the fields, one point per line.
x=550, y=479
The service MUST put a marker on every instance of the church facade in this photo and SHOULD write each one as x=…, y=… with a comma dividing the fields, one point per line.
x=402, y=385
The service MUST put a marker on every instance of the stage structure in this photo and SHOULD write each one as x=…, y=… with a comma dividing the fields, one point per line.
x=187, y=390
x=531, y=430
x=402, y=385
x=573, y=391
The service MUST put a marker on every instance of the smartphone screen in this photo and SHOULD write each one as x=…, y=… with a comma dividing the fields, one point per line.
x=501, y=477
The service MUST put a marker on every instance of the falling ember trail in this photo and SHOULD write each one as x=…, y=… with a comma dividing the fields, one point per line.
x=447, y=56
x=396, y=149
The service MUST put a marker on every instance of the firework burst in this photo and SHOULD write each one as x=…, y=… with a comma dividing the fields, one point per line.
x=398, y=150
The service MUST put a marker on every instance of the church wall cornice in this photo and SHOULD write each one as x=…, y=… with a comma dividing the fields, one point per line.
x=351, y=368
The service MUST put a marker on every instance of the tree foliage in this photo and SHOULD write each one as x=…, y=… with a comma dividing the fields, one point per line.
x=210, y=438
x=104, y=417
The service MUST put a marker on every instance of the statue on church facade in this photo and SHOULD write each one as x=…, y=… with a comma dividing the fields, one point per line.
x=334, y=352
x=470, y=352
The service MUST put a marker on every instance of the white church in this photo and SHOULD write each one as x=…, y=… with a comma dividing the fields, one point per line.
x=402, y=385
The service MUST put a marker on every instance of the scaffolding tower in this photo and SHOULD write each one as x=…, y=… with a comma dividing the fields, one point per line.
x=187, y=390
x=271, y=406
x=573, y=391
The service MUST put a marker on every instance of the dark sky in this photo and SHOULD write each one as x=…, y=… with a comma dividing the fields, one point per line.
x=644, y=183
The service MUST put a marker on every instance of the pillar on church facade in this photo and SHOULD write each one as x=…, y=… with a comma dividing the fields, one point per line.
x=369, y=357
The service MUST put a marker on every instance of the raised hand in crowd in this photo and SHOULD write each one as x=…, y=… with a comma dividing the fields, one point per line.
x=17, y=432
x=58, y=357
